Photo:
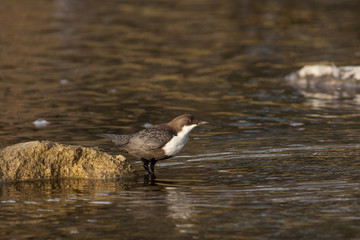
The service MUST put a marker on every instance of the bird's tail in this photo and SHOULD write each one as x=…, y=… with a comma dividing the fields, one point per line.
x=119, y=140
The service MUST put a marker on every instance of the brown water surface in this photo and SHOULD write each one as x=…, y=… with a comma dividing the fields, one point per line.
x=270, y=165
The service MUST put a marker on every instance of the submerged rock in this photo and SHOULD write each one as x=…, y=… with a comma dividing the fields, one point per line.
x=49, y=160
x=323, y=81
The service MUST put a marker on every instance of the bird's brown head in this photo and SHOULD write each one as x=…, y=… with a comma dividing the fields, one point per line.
x=184, y=120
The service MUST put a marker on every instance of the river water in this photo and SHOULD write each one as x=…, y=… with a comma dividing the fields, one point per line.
x=271, y=164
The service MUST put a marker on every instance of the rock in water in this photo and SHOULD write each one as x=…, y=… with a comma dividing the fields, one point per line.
x=49, y=160
x=321, y=81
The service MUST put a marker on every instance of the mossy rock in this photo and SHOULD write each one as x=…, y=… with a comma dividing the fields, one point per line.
x=50, y=160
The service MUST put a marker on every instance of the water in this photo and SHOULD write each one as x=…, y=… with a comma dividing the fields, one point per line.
x=270, y=165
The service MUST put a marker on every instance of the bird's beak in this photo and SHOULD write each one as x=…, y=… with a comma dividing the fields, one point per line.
x=202, y=122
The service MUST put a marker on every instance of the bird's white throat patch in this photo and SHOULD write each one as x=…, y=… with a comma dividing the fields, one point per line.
x=178, y=142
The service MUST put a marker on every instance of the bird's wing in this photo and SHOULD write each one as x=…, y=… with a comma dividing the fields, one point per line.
x=153, y=138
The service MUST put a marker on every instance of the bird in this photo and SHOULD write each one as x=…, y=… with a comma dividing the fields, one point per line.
x=158, y=142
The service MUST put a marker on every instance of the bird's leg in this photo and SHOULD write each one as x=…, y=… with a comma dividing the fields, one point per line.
x=146, y=165
x=152, y=165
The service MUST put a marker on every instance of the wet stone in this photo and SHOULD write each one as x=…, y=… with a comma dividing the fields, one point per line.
x=321, y=81
x=50, y=160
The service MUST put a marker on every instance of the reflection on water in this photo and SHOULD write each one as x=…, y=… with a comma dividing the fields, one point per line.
x=270, y=165
x=181, y=208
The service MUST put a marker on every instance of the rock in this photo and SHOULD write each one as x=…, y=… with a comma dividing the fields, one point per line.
x=49, y=160
x=39, y=123
x=323, y=81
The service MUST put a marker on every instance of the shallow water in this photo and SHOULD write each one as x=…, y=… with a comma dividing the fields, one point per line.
x=270, y=165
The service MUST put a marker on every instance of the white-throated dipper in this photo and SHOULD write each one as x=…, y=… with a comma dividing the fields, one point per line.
x=158, y=142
